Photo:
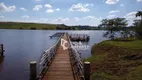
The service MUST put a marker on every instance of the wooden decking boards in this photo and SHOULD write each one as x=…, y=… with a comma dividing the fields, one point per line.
x=60, y=68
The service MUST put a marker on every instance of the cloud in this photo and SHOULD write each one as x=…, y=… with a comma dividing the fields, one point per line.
x=23, y=9
x=49, y=10
x=92, y=18
x=52, y=10
x=76, y=19
x=57, y=9
x=62, y=20
x=86, y=5
x=38, y=0
x=43, y=20
x=111, y=16
x=48, y=5
x=37, y=7
x=4, y=8
x=139, y=0
x=89, y=17
x=111, y=1
x=121, y=5
x=130, y=17
x=114, y=11
x=80, y=7
x=66, y=19
x=25, y=17
x=1, y=17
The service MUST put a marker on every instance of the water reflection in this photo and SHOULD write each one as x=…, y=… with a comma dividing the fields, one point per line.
x=1, y=62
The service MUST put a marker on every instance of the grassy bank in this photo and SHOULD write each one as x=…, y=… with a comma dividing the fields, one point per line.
x=30, y=26
x=117, y=60
x=16, y=25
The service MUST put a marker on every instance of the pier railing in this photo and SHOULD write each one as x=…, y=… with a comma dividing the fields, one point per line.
x=81, y=71
x=39, y=68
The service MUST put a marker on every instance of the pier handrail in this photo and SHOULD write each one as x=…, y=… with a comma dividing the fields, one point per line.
x=76, y=62
x=45, y=60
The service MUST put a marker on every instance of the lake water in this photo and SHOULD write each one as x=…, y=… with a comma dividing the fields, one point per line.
x=23, y=46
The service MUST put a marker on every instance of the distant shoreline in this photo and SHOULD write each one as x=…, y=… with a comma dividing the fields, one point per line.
x=43, y=26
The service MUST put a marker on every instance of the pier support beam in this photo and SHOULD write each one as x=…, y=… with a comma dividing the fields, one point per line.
x=87, y=70
x=33, y=70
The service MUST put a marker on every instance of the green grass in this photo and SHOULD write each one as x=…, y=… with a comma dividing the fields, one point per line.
x=116, y=60
x=96, y=58
x=18, y=25
x=136, y=44
x=136, y=74
x=103, y=76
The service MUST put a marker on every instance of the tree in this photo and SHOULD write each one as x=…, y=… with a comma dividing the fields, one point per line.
x=137, y=22
x=139, y=14
x=124, y=31
x=138, y=28
x=138, y=25
x=113, y=26
x=108, y=25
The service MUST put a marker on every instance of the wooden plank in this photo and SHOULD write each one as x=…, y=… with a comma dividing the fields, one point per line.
x=58, y=78
x=60, y=68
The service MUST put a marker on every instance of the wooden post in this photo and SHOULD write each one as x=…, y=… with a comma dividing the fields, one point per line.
x=33, y=70
x=87, y=70
x=2, y=50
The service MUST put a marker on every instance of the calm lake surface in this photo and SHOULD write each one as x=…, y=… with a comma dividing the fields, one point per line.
x=23, y=46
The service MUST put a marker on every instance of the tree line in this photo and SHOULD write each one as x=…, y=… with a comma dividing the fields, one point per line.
x=118, y=26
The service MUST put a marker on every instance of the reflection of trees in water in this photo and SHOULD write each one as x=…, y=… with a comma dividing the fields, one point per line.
x=1, y=63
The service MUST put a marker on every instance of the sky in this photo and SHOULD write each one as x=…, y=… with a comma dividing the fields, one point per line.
x=69, y=12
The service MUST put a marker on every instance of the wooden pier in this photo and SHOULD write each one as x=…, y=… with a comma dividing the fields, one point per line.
x=60, y=68
x=59, y=64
